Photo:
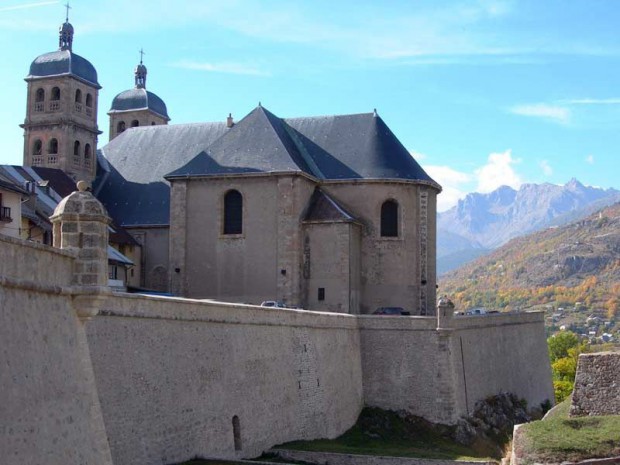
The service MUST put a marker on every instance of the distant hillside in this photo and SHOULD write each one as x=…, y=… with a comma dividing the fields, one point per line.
x=482, y=222
x=578, y=262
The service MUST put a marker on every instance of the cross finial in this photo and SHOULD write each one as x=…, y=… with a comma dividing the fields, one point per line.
x=141, y=55
x=68, y=7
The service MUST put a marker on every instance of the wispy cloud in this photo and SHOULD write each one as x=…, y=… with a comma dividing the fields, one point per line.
x=591, y=101
x=453, y=183
x=555, y=113
x=498, y=171
x=590, y=159
x=26, y=5
x=545, y=167
x=225, y=67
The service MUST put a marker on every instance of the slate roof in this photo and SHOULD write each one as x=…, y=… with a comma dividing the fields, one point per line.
x=329, y=148
x=63, y=62
x=130, y=179
x=139, y=99
x=323, y=208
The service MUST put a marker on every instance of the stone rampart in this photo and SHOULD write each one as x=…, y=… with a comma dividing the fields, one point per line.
x=49, y=411
x=597, y=385
x=179, y=378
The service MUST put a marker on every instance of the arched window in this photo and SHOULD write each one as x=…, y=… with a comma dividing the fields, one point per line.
x=135, y=123
x=37, y=147
x=236, y=432
x=120, y=127
x=78, y=96
x=233, y=212
x=55, y=93
x=89, y=100
x=53, y=146
x=87, y=151
x=76, y=147
x=152, y=123
x=39, y=96
x=389, y=219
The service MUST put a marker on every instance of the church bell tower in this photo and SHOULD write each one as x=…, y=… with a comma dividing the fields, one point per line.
x=60, y=128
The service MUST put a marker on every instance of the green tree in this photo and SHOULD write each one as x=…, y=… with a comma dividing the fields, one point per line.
x=560, y=343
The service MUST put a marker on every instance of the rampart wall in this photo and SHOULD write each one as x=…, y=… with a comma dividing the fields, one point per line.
x=157, y=380
x=49, y=411
x=172, y=374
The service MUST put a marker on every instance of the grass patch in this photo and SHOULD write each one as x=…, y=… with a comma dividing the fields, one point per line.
x=379, y=432
x=559, y=438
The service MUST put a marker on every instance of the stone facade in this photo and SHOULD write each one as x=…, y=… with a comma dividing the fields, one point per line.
x=336, y=266
x=64, y=119
x=597, y=385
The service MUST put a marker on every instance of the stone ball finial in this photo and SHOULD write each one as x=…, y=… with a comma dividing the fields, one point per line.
x=83, y=186
x=444, y=301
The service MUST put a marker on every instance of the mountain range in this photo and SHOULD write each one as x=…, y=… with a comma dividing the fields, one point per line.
x=576, y=262
x=480, y=223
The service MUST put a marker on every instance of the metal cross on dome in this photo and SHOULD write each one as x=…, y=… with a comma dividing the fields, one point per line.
x=68, y=7
x=141, y=55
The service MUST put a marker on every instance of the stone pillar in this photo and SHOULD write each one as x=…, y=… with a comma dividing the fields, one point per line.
x=80, y=225
x=445, y=312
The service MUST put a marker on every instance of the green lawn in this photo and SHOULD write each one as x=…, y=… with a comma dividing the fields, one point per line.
x=560, y=438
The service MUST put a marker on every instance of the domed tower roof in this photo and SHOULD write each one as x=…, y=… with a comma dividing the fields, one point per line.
x=63, y=61
x=139, y=98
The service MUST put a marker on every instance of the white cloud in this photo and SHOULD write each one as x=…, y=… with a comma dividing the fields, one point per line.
x=26, y=6
x=545, y=167
x=591, y=101
x=590, y=159
x=452, y=183
x=417, y=155
x=498, y=172
x=227, y=67
x=553, y=113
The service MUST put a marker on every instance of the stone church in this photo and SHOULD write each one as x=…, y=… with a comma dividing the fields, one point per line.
x=327, y=213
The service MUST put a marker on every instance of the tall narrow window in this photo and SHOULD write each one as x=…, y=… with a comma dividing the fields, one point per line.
x=78, y=96
x=135, y=123
x=40, y=95
x=76, y=147
x=37, y=147
x=87, y=151
x=389, y=219
x=236, y=432
x=120, y=127
x=53, y=146
x=233, y=212
x=55, y=93
x=89, y=100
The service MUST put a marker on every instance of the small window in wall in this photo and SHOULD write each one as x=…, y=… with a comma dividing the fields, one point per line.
x=55, y=93
x=236, y=432
x=89, y=100
x=76, y=147
x=321, y=295
x=135, y=123
x=53, y=146
x=39, y=96
x=233, y=212
x=389, y=219
x=78, y=96
x=87, y=151
x=120, y=127
x=152, y=123
x=37, y=147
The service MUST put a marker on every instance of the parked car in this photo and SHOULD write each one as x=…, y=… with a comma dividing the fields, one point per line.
x=273, y=303
x=476, y=311
x=390, y=311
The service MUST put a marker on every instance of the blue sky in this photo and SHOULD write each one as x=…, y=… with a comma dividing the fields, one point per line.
x=483, y=93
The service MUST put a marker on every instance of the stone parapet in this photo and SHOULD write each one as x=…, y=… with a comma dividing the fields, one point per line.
x=597, y=385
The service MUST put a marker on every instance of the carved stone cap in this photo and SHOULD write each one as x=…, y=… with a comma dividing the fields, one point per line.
x=80, y=203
